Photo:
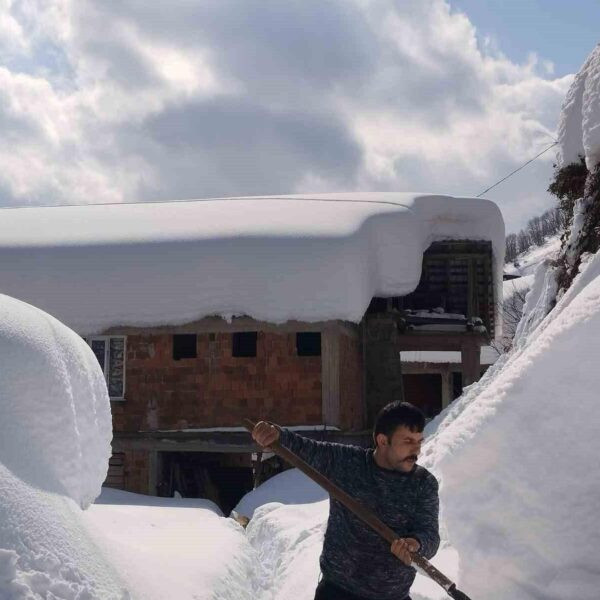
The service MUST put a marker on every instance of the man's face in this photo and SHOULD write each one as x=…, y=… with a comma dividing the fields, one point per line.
x=401, y=451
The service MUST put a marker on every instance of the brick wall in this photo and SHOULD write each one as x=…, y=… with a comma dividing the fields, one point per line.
x=136, y=471
x=351, y=383
x=217, y=389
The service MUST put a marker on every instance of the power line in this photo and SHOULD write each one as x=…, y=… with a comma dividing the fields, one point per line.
x=517, y=170
x=236, y=198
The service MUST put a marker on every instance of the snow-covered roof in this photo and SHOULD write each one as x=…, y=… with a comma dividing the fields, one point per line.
x=519, y=285
x=308, y=258
x=579, y=125
x=488, y=356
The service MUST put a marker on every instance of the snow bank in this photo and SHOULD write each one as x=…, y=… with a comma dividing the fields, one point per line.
x=517, y=455
x=56, y=426
x=520, y=285
x=290, y=515
x=275, y=258
x=174, y=548
x=288, y=541
x=55, y=436
x=45, y=552
x=579, y=126
x=289, y=487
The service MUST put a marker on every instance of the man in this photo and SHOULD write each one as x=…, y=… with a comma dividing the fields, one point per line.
x=356, y=563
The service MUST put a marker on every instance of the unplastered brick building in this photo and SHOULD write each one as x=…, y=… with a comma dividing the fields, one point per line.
x=293, y=309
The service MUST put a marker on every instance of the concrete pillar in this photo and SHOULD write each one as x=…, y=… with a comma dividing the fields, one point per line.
x=446, y=387
x=471, y=366
x=330, y=377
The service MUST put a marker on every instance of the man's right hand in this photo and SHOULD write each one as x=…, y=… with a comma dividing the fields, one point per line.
x=264, y=434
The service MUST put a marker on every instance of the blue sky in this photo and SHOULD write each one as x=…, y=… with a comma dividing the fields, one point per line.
x=563, y=31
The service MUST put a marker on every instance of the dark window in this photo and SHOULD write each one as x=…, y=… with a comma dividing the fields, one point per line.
x=184, y=346
x=244, y=343
x=308, y=343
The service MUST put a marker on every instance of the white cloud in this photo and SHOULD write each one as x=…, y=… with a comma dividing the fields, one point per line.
x=131, y=100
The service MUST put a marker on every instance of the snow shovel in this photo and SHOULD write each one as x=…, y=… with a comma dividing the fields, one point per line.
x=362, y=512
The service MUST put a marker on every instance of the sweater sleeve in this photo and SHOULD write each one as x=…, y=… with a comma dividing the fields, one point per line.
x=325, y=457
x=425, y=523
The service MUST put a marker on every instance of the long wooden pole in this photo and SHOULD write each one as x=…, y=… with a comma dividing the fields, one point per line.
x=364, y=513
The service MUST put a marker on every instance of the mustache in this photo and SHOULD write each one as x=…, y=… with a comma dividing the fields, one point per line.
x=411, y=457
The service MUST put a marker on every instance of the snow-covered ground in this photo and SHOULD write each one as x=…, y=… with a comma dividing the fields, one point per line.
x=173, y=548
x=526, y=263
x=515, y=456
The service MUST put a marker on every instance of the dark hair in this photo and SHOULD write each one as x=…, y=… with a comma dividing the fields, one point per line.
x=396, y=414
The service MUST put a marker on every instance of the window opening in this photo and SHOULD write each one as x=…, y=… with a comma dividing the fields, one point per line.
x=244, y=344
x=308, y=343
x=184, y=346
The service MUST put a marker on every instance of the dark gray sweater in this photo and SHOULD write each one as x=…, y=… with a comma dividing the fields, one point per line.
x=354, y=557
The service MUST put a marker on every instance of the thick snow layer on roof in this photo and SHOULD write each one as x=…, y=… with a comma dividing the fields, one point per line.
x=579, y=126
x=275, y=258
x=488, y=356
x=520, y=285
x=517, y=454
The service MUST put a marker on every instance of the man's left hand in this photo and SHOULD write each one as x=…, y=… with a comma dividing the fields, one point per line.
x=403, y=547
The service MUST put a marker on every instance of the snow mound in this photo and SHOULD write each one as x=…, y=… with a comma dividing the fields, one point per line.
x=579, y=125
x=288, y=541
x=45, y=552
x=167, y=548
x=55, y=436
x=517, y=455
x=56, y=426
x=289, y=487
x=309, y=258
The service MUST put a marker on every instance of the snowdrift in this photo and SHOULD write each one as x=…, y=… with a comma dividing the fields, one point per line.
x=517, y=455
x=55, y=434
x=579, y=126
x=174, y=548
x=56, y=425
x=289, y=487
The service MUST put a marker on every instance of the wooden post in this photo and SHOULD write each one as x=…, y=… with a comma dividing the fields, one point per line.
x=446, y=387
x=470, y=362
x=330, y=377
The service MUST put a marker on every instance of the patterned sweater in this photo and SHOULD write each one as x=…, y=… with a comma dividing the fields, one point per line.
x=354, y=557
